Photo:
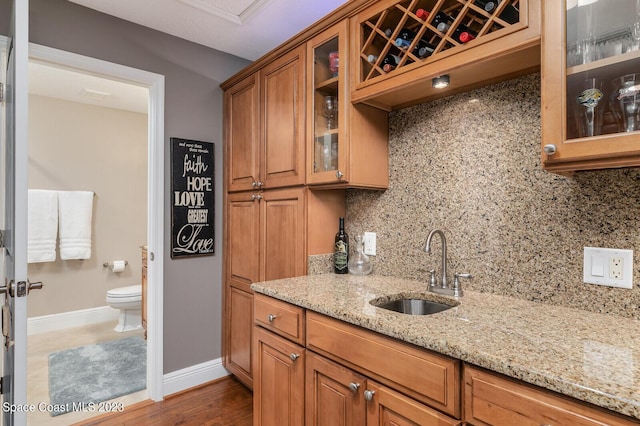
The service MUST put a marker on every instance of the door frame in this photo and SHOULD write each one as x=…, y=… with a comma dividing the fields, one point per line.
x=155, y=190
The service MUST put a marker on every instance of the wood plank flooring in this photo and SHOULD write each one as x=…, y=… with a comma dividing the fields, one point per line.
x=223, y=402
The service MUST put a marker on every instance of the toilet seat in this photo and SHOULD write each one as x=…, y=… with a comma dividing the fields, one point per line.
x=132, y=292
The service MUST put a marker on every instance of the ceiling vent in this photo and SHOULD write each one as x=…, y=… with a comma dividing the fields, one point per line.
x=235, y=11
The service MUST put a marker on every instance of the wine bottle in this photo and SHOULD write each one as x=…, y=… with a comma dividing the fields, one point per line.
x=390, y=62
x=463, y=34
x=422, y=14
x=442, y=22
x=372, y=59
x=423, y=49
x=509, y=14
x=341, y=250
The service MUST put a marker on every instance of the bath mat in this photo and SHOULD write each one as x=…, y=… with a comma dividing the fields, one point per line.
x=95, y=373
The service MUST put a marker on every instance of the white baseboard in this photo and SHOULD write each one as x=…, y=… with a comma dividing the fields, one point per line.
x=193, y=376
x=64, y=320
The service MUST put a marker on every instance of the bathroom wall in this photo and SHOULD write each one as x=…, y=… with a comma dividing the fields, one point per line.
x=470, y=165
x=75, y=146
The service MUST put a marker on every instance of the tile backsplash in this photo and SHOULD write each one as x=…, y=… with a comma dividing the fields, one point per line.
x=470, y=165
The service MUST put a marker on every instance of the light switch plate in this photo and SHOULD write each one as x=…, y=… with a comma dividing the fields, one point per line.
x=369, y=243
x=609, y=267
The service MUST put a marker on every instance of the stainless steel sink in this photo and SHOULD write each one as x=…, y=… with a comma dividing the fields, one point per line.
x=413, y=306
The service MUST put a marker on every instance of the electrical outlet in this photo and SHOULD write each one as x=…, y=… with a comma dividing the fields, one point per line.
x=609, y=267
x=369, y=243
x=615, y=268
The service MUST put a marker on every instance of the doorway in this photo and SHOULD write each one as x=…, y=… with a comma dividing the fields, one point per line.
x=154, y=83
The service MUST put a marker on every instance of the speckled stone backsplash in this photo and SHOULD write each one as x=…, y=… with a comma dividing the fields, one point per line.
x=471, y=165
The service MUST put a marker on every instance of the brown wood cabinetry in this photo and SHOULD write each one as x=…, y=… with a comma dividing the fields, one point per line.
x=349, y=379
x=266, y=239
x=502, y=48
x=347, y=143
x=265, y=126
x=492, y=399
x=586, y=97
x=278, y=393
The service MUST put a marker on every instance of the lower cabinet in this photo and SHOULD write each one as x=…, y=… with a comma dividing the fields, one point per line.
x=278, y=385
x=294, y=385
x=492, y=399
x=310, y=369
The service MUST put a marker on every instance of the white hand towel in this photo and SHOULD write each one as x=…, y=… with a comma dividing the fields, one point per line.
x=76, y=208
x=42, y=225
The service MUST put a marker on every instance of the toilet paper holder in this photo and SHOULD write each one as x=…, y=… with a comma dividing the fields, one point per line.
x=109, y=265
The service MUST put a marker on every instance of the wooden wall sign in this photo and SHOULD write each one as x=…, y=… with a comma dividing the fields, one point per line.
x=192, y=196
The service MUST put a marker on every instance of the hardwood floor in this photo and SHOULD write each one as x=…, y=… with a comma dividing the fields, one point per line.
x=223, y=402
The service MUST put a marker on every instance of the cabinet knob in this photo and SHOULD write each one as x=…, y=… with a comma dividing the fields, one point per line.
x=354, y=386
x=339, y=174
x=550, y=149
x=256, y=197
x=259, y=184
x=368, y=394
x=294, y=356
x=271, y=317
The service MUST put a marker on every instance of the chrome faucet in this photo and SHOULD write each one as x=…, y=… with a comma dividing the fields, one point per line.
x=427, y=248
x=456, y=289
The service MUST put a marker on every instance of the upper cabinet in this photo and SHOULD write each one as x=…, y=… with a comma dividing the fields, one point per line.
x=265, y=126
x=347, y=145
x=400, y=45
x=591, y=85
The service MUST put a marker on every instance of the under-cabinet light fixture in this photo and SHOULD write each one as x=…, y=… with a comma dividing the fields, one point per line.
x=440, y=82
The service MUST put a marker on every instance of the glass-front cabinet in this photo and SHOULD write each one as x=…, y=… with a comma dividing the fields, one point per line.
x=591, y=84
x=327, y=93
x=347, y=144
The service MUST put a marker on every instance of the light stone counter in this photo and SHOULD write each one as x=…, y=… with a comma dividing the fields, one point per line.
x=592, y=357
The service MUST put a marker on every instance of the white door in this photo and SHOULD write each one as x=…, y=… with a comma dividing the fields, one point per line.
x=13, y=261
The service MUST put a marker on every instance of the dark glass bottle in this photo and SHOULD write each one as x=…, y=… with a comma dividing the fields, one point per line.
x=390, y=62
x=463, y=34
x=341, y=251
x=509, y=14
x=442, y=21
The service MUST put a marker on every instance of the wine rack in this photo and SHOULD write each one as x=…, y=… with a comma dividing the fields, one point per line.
x=380, y=31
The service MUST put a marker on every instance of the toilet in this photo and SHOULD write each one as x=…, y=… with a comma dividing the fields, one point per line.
x=129, y=301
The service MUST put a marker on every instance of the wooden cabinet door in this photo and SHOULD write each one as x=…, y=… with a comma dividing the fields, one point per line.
x=278, y=392
x=283, y=238
x=334, y=394
x=243, y=236
x=241, y=134
x=238, y=333
x=388, y=407
x=283, y=120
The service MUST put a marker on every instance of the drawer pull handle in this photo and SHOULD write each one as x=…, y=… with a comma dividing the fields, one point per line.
x=368, y=395
x=294, y=357
x=271, y=317
x=354, y=386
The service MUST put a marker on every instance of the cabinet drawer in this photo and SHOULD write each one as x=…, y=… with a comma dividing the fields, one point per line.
x=491, y=399
x=280, y=317
x=423, y=375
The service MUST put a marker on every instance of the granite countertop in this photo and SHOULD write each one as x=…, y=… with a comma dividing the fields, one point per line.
x=589, y=356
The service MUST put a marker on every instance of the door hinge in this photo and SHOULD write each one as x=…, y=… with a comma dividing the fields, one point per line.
x=1, y=238
x=1, y=92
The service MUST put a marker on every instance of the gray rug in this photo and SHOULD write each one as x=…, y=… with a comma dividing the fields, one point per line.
x=96, y=373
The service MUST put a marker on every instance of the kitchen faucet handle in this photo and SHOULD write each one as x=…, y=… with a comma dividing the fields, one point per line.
x=432, y=279
x=457, y=288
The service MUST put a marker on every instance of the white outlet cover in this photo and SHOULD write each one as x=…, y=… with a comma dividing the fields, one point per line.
x=369, y=243
x=597, y=262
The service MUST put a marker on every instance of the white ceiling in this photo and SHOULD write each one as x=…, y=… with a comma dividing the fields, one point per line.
x=245, y=28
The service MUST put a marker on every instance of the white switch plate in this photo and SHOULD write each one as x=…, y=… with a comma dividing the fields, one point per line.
x=369, y=243
x=609, y=267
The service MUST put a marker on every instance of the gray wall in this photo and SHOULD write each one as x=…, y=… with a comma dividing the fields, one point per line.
x=470, y=165
x=193, y=110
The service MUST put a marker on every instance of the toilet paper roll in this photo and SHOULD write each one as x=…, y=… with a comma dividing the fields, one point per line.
x=118, y=265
